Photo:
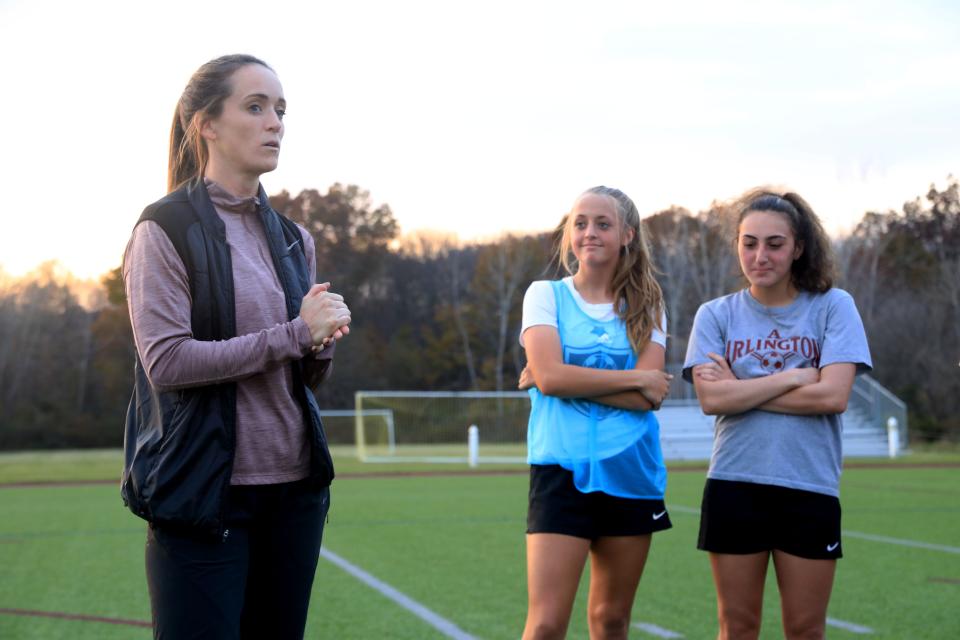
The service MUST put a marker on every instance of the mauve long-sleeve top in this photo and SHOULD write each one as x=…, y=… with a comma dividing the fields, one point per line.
x=271, y=437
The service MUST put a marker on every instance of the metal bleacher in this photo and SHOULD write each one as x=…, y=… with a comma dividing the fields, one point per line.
x=687, y=434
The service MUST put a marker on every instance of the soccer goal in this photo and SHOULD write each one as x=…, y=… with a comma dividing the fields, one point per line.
x=433, y=426
x=340, y=426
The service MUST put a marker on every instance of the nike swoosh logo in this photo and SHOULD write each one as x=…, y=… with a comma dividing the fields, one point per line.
x=657, y=516
x=831, y=547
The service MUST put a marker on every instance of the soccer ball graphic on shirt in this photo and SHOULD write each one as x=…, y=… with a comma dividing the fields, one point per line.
x=772, y=361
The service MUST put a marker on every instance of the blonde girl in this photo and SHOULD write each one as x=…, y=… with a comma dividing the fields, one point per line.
x=595, y=349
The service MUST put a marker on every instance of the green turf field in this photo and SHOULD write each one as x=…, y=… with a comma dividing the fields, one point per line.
x=454, y=544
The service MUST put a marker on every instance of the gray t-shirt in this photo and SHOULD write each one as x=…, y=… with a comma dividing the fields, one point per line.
x=816, y=329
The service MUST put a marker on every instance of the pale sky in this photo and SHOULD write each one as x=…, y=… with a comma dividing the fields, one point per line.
x=481, y=117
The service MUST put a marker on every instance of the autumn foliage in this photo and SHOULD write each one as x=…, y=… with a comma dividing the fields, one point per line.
x=434, y=313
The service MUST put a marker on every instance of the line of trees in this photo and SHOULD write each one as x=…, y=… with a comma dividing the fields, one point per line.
x=432, y=313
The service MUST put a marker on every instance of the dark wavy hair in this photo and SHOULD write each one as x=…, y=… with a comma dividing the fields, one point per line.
x=202, y=99
x=814, y=269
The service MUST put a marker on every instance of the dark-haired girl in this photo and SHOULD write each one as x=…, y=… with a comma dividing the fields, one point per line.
x=225, y=454
x=775, y=362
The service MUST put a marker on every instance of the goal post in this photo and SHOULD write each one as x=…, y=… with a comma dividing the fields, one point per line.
x=432, y=426
x=341, y=430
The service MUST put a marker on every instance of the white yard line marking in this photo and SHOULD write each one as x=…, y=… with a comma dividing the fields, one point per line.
x=848, y=626
x=438, y=622
x=682, y=509
x=906, y=543
x=654, y=630
x=916, y=544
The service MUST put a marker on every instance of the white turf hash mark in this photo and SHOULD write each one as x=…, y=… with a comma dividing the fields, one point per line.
x=438, y=622
x=654, y=630
x=906, y=543
x=660, y=632
x=682, y=509
x=848, y=626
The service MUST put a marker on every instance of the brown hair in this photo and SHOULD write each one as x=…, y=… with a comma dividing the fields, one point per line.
x=813, y=270
x=636, y=292
x=202, y=99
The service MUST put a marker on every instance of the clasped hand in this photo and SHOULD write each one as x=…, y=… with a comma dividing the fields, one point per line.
x=326, y=314
x=655, y=386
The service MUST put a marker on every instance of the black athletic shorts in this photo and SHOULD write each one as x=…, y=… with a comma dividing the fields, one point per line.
x=557, y=506
x=745, y=517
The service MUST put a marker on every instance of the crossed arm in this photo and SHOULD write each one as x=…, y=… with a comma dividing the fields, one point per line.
x=641, y=388
x=803, y=391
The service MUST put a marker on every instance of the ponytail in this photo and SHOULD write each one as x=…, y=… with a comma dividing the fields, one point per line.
x=814, y=269
x=202, y=99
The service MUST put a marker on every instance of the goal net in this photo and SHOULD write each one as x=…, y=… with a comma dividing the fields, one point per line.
x=340, y=427
x=432, y=426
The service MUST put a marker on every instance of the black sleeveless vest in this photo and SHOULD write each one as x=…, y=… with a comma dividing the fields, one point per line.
x=179, y=445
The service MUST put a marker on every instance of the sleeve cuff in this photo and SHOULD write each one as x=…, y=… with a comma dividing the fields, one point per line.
x=302, y=333
x=305, y=340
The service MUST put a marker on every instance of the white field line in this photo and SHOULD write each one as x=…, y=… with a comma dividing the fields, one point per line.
x=660, y=632
x=916, y=544
x=654, y=630
x=682, y=509
x=906, y=543
x=848, y=626
x=436, y=621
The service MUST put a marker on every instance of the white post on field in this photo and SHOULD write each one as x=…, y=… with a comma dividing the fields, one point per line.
x=893, y=437
x=473, y=445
